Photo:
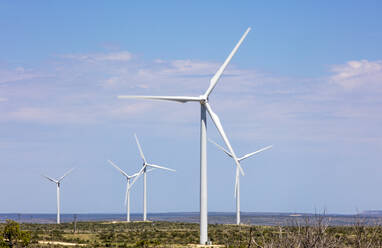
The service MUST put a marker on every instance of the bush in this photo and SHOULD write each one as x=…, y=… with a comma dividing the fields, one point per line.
x=12, y=236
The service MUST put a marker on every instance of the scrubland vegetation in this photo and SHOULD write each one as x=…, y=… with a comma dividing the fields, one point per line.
x=310, y=232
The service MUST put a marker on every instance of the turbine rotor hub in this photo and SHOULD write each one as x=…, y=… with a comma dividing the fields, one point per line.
x=203, y=99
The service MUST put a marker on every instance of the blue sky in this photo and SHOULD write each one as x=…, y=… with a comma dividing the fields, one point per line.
x=307, y=79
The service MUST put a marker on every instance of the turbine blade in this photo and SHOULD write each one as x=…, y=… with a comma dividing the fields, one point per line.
x=181, y=99
x=216, y=121
x=67, y=173
x=218, y=74
x=253, y=153
x=50, y=179
x=136, y=178
x=220, y=147
x=151, y=169
x=119, y=169
x=160, y=167
x=140, y=148
x=134, y=175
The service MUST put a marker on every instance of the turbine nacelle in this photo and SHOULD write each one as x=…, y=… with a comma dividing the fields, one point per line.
x=203, y=99
x=128, y=177
x=145, y=165
x=58, y=180
x=239, y=159
x=120, y=170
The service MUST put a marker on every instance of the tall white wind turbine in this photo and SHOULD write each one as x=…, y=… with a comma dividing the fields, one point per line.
x=144, y=170
x=127, y=194
x=204, y=108
x=237, y=180
x=58, y=183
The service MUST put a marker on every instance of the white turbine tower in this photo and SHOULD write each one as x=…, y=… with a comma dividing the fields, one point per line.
x=143, y=171
x=205, y=107
x=127, y=194
x=237, y=180
x=58, y=183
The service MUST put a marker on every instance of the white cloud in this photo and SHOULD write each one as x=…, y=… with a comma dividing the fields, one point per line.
x=121, y=56
x=189, y=66
x=118, y=56
x=17, y=74
x=3, y=99
x=355, y=74
x=44, y=115
x=112, y=81
x=266, y=105
x=124, y=110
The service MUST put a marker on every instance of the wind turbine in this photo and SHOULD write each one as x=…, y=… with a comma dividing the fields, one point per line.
x=143, y=171
x=58, y=183
x=204, y=108
x=237, y=180
x=127, y=194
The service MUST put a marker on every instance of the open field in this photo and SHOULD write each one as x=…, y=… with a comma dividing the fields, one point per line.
x=311, y=232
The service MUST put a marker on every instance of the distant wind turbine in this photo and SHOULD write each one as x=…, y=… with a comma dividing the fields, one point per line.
x=127, y=194
x=205, y=107
x=58, y=183
x=237, y=180
x=143, y=171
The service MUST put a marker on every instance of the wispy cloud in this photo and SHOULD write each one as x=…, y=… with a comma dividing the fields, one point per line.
x=17, y=74
x=47, y=115
x=356, y=74
x=82, y=91
x=121, y=56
